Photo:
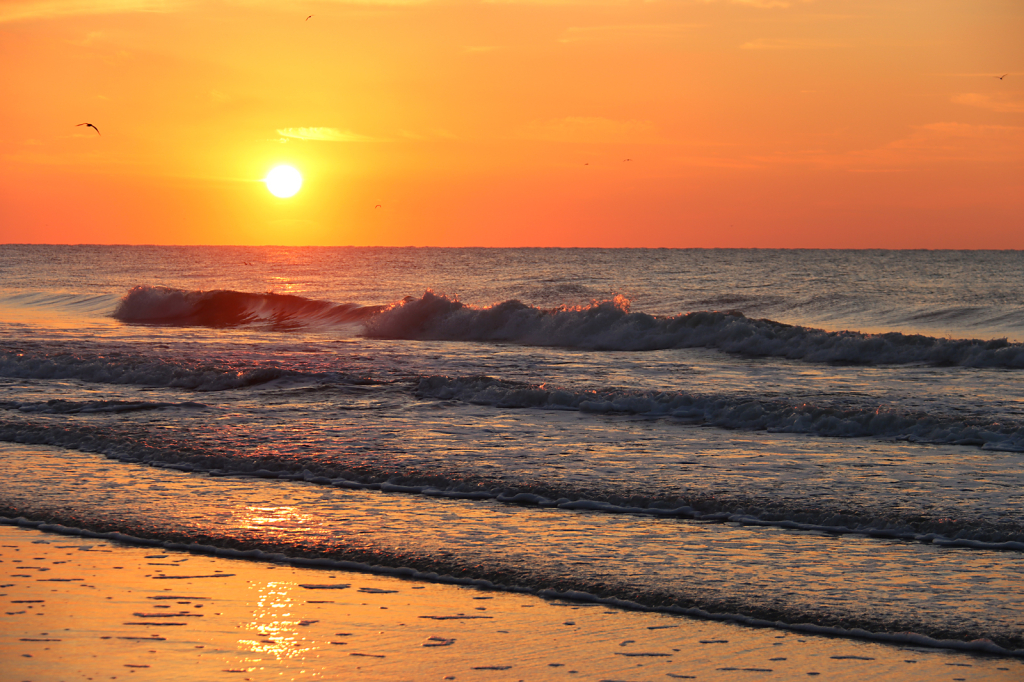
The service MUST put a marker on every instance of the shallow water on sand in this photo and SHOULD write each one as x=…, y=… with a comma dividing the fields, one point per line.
x=826, y=437
x=82, y=607
x=719, y=567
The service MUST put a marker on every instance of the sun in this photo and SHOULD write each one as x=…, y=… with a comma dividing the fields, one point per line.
x=283, y=181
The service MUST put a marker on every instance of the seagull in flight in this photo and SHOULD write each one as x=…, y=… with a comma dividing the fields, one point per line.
x=90, y=126
x=377, y=206
x=1002, y=77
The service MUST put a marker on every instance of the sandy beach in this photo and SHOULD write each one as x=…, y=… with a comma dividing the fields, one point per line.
x=86, y=609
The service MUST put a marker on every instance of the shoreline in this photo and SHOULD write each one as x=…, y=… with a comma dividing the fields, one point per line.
x=80, y=606
x=979, y=646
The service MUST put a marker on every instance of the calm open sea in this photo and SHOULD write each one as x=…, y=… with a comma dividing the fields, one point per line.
x=830, y=438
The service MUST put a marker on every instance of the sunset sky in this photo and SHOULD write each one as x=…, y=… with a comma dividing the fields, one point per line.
x=675, y=123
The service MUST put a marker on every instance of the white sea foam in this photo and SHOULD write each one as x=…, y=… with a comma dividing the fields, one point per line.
x=732, y=412
x=141, y=371
x=905, y=638
x=609, y=325
x=72, y=375
x=964, y=532
x=58, y=406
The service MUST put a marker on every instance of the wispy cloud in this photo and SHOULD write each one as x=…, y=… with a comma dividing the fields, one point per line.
x=784, y=44
x=25, y=10
x=590, y=130
x=323, y=135
x=951, y=141
x=620, y=31
x=929, y=144
x=762, y=4
x=1000, y=104
x=576, y=3
x=401, y=3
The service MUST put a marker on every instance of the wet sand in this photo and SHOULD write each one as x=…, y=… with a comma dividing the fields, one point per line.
x=85, y=609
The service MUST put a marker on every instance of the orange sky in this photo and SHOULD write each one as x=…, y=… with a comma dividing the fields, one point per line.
x=748, y=123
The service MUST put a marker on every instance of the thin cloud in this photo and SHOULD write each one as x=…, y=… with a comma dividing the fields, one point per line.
x=590, y=130
x=621, y=31
x=762, y=4
x=27, y=10
x=783, y=44
x=574, y=3
x=322, y=135
x=927, y=144
x=1000, y=104
x=718, y=162
x=380, y=2
x=435, y=134
x=389, y=3
x=951, y=141
x=758, y=4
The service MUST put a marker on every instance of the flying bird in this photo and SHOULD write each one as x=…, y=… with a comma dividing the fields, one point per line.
x=90, y=126
x=377, y=206
x=625, y=160
x=309, y=17
x=1002, y=77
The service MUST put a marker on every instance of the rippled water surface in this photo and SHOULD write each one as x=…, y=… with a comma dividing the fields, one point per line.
x=806, y=436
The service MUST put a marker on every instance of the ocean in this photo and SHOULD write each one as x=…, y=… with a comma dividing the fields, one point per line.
x=827, y=441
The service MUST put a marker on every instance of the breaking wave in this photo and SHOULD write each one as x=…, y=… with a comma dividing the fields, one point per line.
x=611, y=326
x=601, y=326
x=224, y=308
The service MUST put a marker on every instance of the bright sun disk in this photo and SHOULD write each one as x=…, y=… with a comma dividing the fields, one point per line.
x=283, y=181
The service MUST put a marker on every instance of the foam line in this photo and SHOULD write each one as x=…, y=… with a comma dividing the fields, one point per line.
x=979, y=646
x=611, y=326
x=969, y=537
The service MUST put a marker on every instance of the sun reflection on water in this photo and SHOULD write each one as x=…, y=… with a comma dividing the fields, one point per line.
x=275, y=520
x=271, y=631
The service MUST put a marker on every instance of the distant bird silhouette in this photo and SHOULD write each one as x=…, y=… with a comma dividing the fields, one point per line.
x=1002, y=77
x=91, y=126
x=587, y=163
x=625, y=160
x=309, y=17
x=377, y=206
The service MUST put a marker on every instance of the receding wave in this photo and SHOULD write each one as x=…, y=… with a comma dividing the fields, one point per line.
x=728, y=411
x=225, y=308
x=59, y=406
x=128, y=443
x=574, y=591
x=610, y=325
x=735, y=412
x=140, y=371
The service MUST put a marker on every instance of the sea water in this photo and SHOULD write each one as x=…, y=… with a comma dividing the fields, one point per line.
x=818, y=439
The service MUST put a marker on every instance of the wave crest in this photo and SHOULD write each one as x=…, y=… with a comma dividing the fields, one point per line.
x=226, y=308
x=611, y=326
x=607, y=325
